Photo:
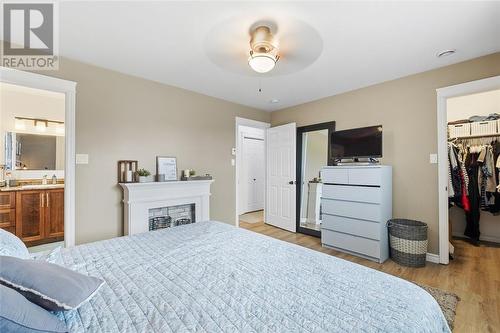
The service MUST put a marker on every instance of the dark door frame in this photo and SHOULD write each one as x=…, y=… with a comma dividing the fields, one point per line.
x=330, y=126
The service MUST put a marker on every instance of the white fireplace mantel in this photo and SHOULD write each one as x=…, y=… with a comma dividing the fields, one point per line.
x=139, y=198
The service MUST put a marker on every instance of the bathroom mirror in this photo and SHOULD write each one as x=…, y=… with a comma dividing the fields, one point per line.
x=25, y=151
x=313, y=146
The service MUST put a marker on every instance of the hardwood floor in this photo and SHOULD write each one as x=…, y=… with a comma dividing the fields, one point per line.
x=474, y=275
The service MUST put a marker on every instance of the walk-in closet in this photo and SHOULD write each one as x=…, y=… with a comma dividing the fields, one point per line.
x=474, y=168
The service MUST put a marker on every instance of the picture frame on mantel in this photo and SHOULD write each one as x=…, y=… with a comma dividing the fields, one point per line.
x=166, y=168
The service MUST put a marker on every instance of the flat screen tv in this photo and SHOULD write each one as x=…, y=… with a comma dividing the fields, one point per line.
x=365, y=142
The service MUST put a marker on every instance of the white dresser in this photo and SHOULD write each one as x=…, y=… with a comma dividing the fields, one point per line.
x=356, y=204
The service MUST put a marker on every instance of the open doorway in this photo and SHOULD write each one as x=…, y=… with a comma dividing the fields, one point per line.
x=250, y=171
x=33, y=158
x=474, y=146
x=468, y=132
x=37, y=158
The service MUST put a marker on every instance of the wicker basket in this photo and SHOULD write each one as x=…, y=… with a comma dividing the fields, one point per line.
x=408, y=242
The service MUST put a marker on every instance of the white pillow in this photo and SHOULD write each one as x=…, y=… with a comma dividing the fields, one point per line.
x=11, y=245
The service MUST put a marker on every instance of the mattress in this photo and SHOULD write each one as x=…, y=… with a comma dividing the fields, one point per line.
x=212, y=277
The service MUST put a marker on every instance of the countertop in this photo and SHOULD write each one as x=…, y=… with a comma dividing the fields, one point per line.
x=31, y=187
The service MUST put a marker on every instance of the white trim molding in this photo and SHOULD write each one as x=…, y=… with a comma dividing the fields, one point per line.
x=250, y=123
x=442, y=95
x=38, y=81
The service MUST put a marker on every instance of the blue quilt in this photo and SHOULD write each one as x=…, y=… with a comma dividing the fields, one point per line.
x=212, y=277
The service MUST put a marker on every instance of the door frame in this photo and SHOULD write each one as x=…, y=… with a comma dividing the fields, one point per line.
x=443, y=94
x=330, y=126
x=237, y=158
x=68, y=88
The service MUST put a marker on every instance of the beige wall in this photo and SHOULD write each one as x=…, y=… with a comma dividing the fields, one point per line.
x=124, y=117
x=406, y=108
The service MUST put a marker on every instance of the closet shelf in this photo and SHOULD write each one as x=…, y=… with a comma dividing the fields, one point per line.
x=475, y=136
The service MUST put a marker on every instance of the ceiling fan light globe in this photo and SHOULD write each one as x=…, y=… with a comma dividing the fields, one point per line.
x=262, y=63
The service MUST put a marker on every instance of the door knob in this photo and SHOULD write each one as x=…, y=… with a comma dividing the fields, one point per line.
x=291, y=182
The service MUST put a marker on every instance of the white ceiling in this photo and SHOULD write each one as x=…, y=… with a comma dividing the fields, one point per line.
x=363, y=43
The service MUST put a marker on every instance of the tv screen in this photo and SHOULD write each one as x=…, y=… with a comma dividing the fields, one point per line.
x=357, y=143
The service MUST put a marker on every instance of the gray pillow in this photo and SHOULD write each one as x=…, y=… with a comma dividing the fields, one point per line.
x=17, y=314
x=11, y=245
x=51, y=286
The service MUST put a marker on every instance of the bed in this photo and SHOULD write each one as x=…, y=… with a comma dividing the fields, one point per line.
x=212, y=277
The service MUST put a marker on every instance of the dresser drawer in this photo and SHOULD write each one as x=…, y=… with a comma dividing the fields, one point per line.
x=351, y=243
x=365, y=176
x=352, y=193
x=7, y=218
x=335, y=176
x=356, y=210
x=347, y=225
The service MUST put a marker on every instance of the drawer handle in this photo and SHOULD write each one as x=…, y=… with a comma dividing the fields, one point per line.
x=47, y=194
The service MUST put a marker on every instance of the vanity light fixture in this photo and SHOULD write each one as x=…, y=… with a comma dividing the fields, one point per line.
x=60, y=129
x=263, y=50
x=41, y=125
x=19, y=124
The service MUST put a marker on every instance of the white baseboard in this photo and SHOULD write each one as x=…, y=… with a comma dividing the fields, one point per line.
x=431, y=257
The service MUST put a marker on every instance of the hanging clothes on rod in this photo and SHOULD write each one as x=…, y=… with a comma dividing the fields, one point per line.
x=474, y=168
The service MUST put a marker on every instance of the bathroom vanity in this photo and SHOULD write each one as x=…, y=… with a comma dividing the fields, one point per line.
x=34, y=213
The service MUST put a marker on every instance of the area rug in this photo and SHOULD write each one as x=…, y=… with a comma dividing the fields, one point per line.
x=447, y=302
x=253, y=217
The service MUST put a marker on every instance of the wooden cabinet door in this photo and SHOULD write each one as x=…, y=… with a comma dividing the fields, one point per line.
x=7, y=200
x=54, y=213
x=30, y=215
x=7, y=218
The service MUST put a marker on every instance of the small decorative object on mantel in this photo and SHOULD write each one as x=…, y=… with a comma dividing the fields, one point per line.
x=143, y=175
x=126, y=171
x=186, y=173
x=193, y=177
x=166, y=168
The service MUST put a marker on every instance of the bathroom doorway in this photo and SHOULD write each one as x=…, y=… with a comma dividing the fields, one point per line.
x=37, y=155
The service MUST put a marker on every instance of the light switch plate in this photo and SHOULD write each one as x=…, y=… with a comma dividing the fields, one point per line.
x=82, y=159
x=233, y=162
x=433, y=158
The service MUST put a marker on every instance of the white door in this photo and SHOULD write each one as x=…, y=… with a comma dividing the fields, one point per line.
x=253, y=174
x=280, y=172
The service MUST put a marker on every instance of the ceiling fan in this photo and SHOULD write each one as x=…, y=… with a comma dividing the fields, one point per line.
x=252, y=47
x=263, y=50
